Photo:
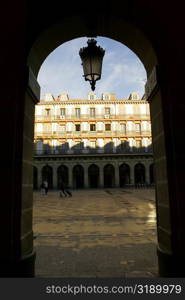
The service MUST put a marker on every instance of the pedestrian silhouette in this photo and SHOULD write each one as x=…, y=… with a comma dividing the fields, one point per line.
x=62, y=190
x=46, y=187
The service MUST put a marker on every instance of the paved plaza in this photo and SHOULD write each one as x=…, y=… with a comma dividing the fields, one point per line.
x=96, y=233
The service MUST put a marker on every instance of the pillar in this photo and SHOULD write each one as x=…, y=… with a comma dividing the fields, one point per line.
x=70, y=174
x=101, y=180
x=116, y=166
x=132, y=178
x=17, y=255
x=86, y=177
x=167, y=118
x=147, y=173
x=39, y=168
x=55, y=185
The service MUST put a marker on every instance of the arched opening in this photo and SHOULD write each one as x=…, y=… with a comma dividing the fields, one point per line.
x=93, y=175
x=119, y=30
x=139, y=174
x=35, y=178
x=152, y=176
x=47, y=174
x=62, y=176
x=78, y=177
x=124, y=175
x=109, y=176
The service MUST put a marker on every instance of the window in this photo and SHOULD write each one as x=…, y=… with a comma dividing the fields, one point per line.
x=63, y=146
x=77, y=112
x=91, y=97
x=77, y=127
x=92, y=112
x=62, y=128
x=107, y=127
x=124, y=145
x=138, y=143
x=138, y=127
x=92, y=144
x=47, y=112
x=107, y=110
x=62, y=111
x=106, y=97
x=92, y=127
x=123, y=128
x=78, y=145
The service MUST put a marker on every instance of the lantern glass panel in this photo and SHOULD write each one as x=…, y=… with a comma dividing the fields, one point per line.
x=96, y=66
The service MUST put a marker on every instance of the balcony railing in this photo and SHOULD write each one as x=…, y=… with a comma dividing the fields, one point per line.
x=89, y=117
x=116, y=133
x=84, y=151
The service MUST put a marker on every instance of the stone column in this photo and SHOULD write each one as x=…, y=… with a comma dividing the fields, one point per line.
x=55, y=177
x=70, y=174
x=39, y=168
x=147, y=173
x=101, y=176
x=132, y=179
x=117, y=184
x=86, y=177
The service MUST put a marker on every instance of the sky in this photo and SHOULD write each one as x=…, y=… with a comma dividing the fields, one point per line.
x=122, y=71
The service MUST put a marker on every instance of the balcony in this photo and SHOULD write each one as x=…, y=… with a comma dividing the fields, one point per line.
x=87, y=117
x=91, y=151
x=98, y=133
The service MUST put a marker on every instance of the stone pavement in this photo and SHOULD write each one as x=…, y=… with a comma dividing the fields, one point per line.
x=96, y=233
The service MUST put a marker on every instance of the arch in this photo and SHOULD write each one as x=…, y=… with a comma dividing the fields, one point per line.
x=60, y=32
x=93, y=176
x=152, y=175
x=47, y=174
x=62, y=175
x=124, y=174
x=139, y=173
x=109, y=176
x=35, y=178
x=78, y=177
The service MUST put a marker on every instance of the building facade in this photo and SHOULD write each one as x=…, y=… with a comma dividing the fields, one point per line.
x=93, y=143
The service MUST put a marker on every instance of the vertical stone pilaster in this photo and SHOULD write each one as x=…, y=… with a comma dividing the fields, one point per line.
x=132, y=180
x=101, y=179
x=70, y=174
x=116, y=174
x=86, y=177
x=147, y=173
x=39, y=168
x=55, y=177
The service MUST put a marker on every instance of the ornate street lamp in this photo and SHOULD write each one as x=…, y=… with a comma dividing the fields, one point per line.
x=92, y=57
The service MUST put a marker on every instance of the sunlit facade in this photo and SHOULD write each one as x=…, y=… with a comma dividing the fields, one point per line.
x=93, y=142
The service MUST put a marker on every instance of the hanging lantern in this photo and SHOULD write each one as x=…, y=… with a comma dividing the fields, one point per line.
x=92, y=58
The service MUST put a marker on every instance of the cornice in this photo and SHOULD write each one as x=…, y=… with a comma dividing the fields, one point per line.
x=97, y=101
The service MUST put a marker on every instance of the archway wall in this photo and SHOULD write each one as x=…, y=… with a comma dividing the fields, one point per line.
x=164, y=223
x=167, y=37
x=60, y=33
x=116, y=28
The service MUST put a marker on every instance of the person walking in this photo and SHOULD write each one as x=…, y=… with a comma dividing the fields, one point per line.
x=62, y=189
x=42, y=189
x=46, y=187
x=68, y=192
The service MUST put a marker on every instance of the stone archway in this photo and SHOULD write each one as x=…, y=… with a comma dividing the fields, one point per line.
x=139, y=174
x=131, y=27
x=109, y=176
x=93, y=175
x=124, y=175
x=62, y=175
x=78, y=177
x=47, y=174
